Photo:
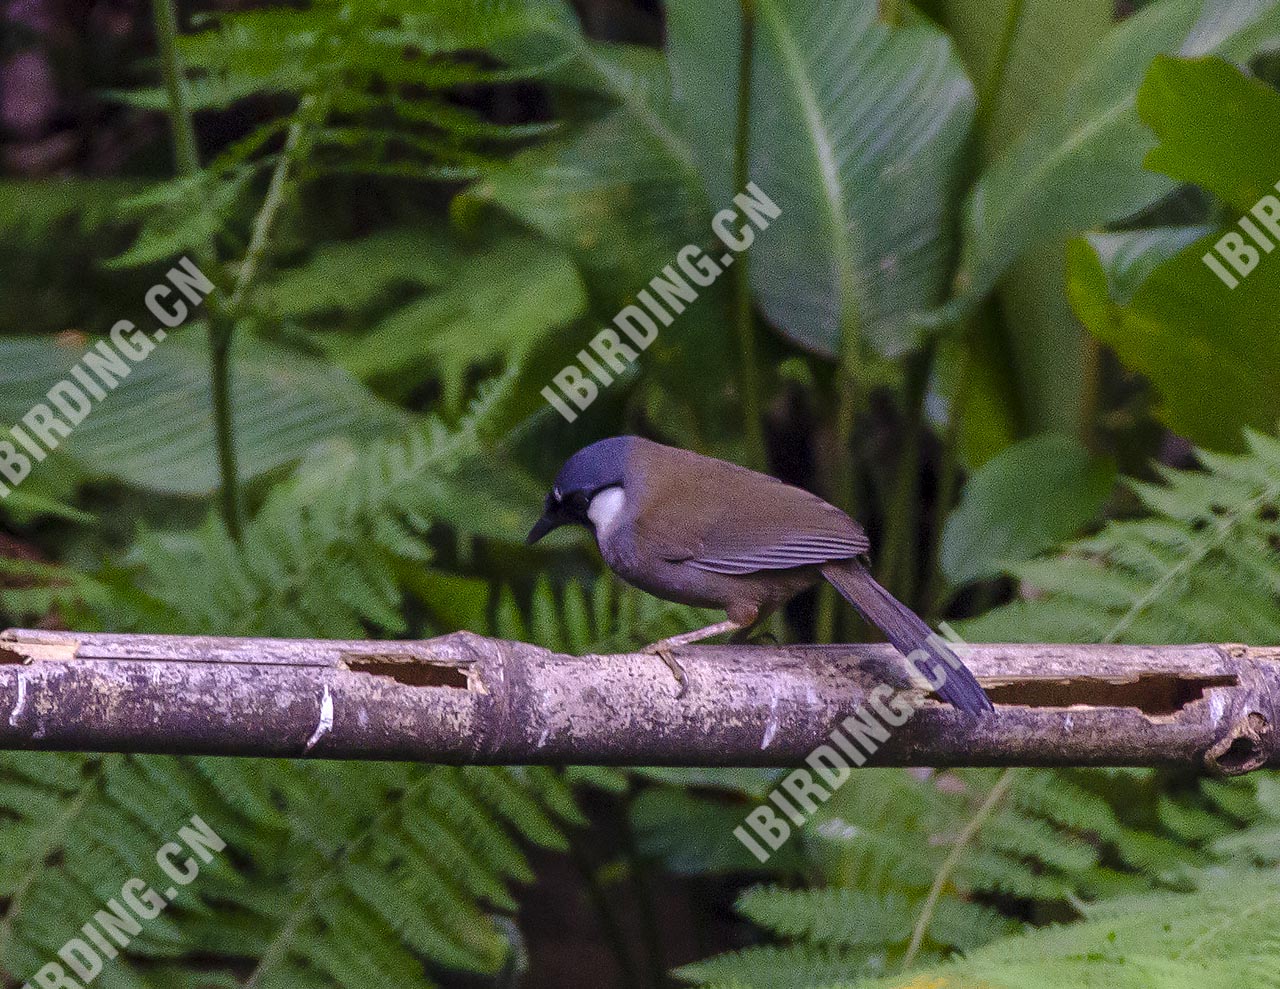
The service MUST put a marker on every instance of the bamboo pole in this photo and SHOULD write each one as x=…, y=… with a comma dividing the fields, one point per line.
x=463, y=698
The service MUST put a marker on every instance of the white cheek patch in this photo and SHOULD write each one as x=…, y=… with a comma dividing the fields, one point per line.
x=604, y=510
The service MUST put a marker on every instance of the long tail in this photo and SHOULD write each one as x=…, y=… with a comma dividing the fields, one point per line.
x=904, y=628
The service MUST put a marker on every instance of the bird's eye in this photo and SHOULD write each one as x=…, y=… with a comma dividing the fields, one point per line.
x=579, y=500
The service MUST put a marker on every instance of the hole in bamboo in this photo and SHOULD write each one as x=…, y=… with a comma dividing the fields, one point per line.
x=1241, y=754
x=1242, y=749
x=9, y=656
x=1150, y=693
x=409, y=670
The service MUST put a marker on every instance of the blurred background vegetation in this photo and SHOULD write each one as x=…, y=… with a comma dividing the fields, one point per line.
x=981, y=325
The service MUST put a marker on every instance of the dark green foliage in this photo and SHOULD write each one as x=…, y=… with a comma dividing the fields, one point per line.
x=416, y=213
x=339, y=872
x=1220, y=935
x=332, y=873
x=1202, y=566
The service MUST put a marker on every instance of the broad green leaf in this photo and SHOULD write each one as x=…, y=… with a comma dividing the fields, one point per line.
x=856, y=133
x=1211, y=352
x=622, y=196
x=1081, y=165
x=1129, y=258
x=635, y=79
x=155, y=431
x=354, y=275
x=1041, y=389
x=1209, y=349
x=691, y=834
x=27, y=505
x=704, y=46
x=1217, y=127
x=1027, y=499
x=498, y=301
x=1036, y=62
x=32, y=207
x=622, y=193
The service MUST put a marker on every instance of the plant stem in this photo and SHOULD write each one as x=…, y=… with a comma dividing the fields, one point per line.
x=744, y=316
x=220, y=333
x=903, y=513
x=309, y=109
x=948, y=473
x=952, y=860
x=1090, y=398
x=184, y=133
x=840, y=484
x=221, y=322
x=643, y=889
x=989, y=95
x=608, y=922
x=824, y=622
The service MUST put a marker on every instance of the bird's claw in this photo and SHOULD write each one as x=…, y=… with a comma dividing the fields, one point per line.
x=667, y=656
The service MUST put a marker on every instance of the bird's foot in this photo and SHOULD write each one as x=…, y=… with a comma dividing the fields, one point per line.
x=664, y=647
x=663, y=651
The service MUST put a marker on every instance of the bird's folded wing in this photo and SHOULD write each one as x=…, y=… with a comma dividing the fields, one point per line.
x=771, y=526
x=797, y=551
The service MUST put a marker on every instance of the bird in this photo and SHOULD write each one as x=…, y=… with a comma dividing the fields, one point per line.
x=705, y=532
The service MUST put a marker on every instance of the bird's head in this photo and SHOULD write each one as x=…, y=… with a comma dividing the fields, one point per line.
x=586, y=474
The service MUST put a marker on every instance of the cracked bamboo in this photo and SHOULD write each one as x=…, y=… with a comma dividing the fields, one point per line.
x=464, y=698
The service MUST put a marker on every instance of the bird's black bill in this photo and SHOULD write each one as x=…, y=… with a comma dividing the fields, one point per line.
x=541, y=528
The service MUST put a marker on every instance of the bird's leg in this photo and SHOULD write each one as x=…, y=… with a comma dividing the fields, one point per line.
x=662, y=648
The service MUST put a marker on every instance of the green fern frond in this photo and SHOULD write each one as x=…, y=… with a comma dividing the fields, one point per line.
x=30, y=209
x=376, y=93
x=501, y=298
x=605, y=616
x=1206, y=568
x=1055, y=840
x=413, y=859
x=1221, y=935
x=768, y=967
x=842, y=917
x=334, y=873
x=353, y=276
